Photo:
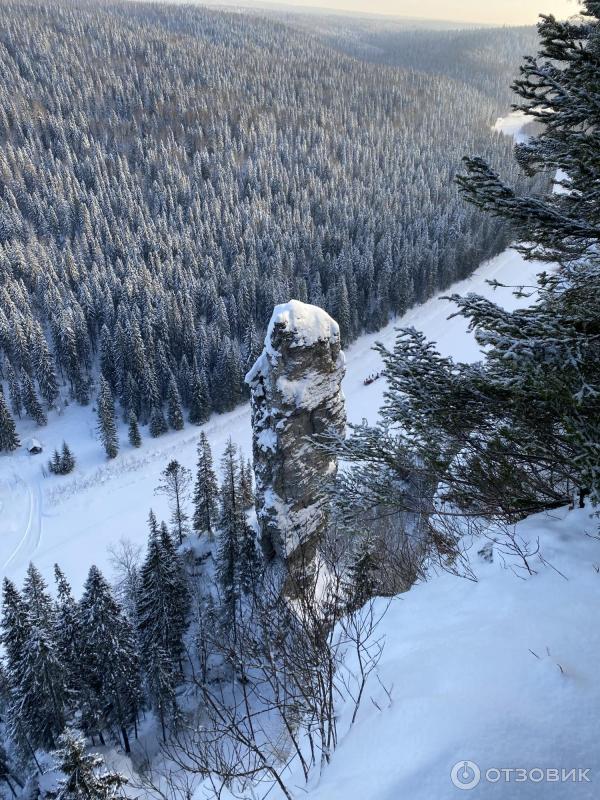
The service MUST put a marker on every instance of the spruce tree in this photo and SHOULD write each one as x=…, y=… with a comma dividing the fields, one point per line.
x=174, y=413
x=158, y=425
x=67, y=633
x=518, y=432
x=343, y=313
x=9, y=440
x=37, y=599
x=162, y=609
x=45, y=369
x=135, y=439
x=205, y=489
x=246, y=484
x=85, y=777
x=108, y=361
x=54, y=464
x=161, y=682
x=235, y=557
x=36, y=673
x=30, y=400
x=199, y=397
x=109, y=663
x=249, y=559
x=14, y=390
x=130, y=397
x=15, y=626
x=67, y=460
x=106, y=419
x=362, y=583
x=38, y=705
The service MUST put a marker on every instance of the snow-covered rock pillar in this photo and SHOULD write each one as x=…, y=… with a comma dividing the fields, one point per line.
x=296, y=398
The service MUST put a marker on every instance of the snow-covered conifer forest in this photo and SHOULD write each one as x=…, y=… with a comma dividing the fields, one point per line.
x=299, y=416
x=170, y=174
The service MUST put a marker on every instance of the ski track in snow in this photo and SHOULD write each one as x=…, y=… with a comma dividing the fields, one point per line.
x=31, y=532
x=105, y=501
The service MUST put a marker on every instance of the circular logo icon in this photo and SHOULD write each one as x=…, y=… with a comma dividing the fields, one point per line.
x=465, y=775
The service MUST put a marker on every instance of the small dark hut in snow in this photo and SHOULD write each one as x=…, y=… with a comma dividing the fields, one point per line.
x=33, y=447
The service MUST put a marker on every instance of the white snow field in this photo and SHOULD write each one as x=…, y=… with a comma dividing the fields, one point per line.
x=502, y=672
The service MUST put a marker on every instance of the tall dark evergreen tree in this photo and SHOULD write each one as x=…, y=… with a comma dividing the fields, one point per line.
x=109, y=663
x=54, y=463
x=30, y=400
x=15, y=626
x=361, y=584
x=158, y=424
x=135, y=439
x=106, y=419
x=518, y=432
x=37, y=599
x=246, y=483
x=9, y=440
x=38, y=709
x=67, y=633
x=175, y=414
x=205, y=489
x=14, y=390
x=67, y=459
x=543, y=362
x=45, y=368
x=39, y=686
x=199, y=398
x=162, y=609
x=108, y=363
x=237, y=558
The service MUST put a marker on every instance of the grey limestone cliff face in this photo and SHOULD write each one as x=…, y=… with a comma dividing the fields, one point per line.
x=296, y=398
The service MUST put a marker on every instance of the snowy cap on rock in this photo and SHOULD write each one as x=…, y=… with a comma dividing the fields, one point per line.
x=309, y=324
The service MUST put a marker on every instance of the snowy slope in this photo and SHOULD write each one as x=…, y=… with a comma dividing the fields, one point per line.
x=502, y=672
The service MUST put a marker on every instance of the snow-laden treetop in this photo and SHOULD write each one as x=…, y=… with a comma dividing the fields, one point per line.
x=309, y=324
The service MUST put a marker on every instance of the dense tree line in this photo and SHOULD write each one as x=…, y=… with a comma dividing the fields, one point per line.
x=168, y=174
x=98, y=663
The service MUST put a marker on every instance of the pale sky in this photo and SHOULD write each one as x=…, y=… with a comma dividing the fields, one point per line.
x=498, y=12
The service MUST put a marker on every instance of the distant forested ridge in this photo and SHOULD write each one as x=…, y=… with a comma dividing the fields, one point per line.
x=484, y=58
x=169, y=173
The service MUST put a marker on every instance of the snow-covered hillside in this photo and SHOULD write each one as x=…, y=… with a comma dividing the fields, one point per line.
x=501, y=672
x=73, y=520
